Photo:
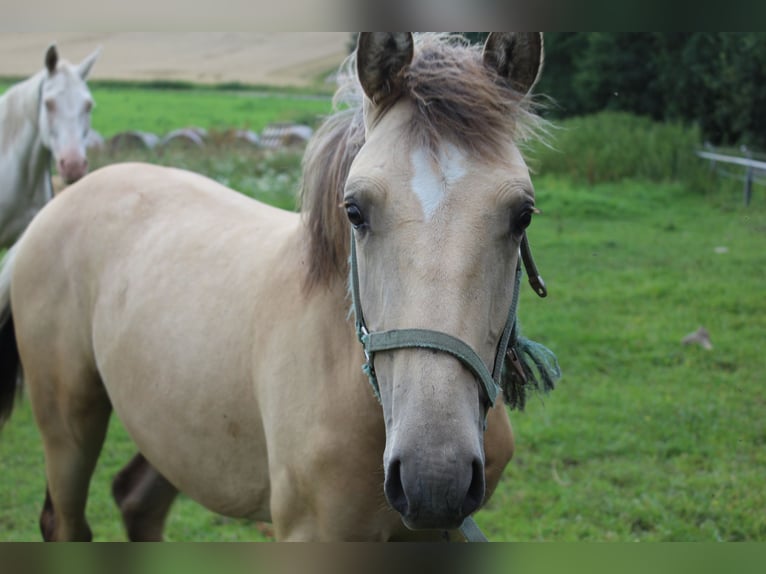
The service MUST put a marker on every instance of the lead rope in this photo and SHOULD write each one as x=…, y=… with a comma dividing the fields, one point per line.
x=471, y=531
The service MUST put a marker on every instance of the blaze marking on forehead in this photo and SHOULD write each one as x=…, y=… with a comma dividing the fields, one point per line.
x=431, y=178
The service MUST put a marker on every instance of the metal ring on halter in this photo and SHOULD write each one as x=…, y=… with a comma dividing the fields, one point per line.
x=365, y=335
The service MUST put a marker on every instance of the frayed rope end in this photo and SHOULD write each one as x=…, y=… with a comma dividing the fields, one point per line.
x=543, y=378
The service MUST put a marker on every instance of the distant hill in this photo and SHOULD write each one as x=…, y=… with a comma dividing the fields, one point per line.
x=274, y=58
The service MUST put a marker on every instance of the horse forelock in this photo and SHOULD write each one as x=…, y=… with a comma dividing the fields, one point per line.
x=457, y=98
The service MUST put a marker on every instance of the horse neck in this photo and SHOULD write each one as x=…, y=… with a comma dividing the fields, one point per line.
x=21, y=146
x=327, y=302
x=326, y=322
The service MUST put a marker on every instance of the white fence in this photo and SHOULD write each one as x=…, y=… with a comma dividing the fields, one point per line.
x=755, y=171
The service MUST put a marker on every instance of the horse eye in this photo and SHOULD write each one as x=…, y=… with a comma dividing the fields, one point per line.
x=354, y=214
x=523, y=220
x=88, y=107
x=50, y=105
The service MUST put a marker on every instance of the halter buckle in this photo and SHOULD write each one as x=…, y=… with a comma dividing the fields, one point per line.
x=363, y=339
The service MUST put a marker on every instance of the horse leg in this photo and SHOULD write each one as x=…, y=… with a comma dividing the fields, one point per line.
x=47, y=518
x=73, y=433
x=144, y=498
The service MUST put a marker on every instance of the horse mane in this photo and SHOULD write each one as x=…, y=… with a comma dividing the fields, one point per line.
x=18, y=107
x=457, y=98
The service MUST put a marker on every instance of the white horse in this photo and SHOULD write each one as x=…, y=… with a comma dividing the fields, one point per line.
x=43, y=116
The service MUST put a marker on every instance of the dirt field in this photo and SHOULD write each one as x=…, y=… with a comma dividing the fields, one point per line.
x=278, y=58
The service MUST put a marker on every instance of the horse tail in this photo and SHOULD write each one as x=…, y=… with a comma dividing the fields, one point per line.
x=10, y=362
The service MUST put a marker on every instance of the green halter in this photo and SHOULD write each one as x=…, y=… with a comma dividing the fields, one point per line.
x=374, y=342
x=436, y=340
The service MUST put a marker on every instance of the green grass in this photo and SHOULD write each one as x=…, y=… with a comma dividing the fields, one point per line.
x=161, y=111
x=645, y=439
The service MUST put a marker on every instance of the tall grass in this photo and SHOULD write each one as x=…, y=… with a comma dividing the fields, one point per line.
x=611, y=146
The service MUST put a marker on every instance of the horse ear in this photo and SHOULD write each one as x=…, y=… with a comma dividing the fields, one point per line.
x=83, y=68
x=517, y=57
x=380, y=59
x=51, y=58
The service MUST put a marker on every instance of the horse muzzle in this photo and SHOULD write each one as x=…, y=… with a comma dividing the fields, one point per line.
x=434, y=496
x=72, y=167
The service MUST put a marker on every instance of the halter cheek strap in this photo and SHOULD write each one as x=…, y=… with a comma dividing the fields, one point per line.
x=374, y=342
x=436, y=340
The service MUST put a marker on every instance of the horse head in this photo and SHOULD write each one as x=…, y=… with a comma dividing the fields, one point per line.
x=439, y=198
x=65, y=111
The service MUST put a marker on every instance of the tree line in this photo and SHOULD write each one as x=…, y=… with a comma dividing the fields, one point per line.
x=716, y=80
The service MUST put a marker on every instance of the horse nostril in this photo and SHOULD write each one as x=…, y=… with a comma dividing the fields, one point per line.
x=475, y=495
x=394, y=489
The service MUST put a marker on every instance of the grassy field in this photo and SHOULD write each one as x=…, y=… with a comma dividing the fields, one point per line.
x=136, y=109
x=644, y=439
x=145, y=108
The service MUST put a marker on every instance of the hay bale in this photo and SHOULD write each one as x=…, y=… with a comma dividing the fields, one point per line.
x=133, y=139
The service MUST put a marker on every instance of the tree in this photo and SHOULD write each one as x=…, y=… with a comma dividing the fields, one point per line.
x=714, y=79
x=717, y=80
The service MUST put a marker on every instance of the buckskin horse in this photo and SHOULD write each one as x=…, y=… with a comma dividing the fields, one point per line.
x=225, y=336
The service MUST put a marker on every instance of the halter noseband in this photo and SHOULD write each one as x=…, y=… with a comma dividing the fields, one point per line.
x=436, y=340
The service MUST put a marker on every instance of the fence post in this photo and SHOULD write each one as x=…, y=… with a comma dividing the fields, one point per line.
x=748, y=176
x=751, y=167
x=748, y=185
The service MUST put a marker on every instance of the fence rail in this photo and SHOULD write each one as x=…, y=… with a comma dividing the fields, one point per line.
x=752, y=167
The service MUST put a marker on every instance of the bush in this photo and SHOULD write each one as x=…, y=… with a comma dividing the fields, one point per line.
x=612, y=146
